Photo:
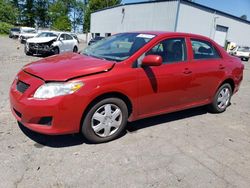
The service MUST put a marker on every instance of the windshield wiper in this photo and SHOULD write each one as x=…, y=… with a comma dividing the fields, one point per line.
x=102, y=58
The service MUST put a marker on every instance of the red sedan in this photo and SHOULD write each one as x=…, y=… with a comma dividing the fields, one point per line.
x=125, y=77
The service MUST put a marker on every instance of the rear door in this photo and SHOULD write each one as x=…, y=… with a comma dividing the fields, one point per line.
x=208, y=69
x=70, y=42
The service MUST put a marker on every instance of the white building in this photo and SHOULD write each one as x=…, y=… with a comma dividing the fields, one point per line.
x=171, y=15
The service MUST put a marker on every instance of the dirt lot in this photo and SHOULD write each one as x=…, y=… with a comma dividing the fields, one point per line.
x=191, y=148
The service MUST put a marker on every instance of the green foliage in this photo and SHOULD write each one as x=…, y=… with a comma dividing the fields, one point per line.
x=58, y=13
x=5, y=27
x=95, y=5
x=77, y=14
x=29, y=13
x=8, y=13
x=41, y=13
x=62, y=23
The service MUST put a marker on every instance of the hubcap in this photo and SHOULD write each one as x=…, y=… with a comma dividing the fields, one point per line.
x=106, y=120
x=223, y=98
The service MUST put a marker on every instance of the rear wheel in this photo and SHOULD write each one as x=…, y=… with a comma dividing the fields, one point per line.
x=221, y=99
x=105, y=121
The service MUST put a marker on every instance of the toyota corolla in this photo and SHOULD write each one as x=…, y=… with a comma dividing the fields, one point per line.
x=125, y=77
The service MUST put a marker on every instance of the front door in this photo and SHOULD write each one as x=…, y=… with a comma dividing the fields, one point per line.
x=63, y=43
x=164, y=87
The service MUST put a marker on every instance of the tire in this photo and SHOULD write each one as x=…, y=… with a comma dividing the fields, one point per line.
x=22, y=41
x=244, y=59
x=27, y=52
x=107, y=126
x=221, y=99
x=75, y=49
x=56, y=51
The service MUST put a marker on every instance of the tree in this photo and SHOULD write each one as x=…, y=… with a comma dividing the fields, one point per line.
x=58, y=13
x=41, y=13
x=28, y=13
x=8, y=13
x=62, y=23
x=77, y=14
x=94, y=5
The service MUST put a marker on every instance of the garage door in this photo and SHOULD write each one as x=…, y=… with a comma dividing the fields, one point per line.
x=220, y=35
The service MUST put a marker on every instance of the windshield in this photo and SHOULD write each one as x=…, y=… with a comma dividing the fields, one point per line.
x=118, y=47
x=47, y=34
x=15, y=29
x=99, y=38
x=29, y=31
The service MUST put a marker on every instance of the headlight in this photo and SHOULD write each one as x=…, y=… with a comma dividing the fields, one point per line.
x=55, y=89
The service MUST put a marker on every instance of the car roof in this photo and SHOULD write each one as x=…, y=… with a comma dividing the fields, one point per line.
x=164, y=33
x=27, y=28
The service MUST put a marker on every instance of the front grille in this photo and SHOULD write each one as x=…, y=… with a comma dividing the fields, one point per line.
x=38, y=46
x=32, y=45
x=17, y=113
x=21, y=86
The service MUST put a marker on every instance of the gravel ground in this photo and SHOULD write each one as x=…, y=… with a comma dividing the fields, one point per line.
x=191, y=148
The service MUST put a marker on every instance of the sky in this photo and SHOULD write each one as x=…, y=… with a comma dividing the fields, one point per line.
x=234, y=7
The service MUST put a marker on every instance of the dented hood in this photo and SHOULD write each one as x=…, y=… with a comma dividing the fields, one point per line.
x=67, y=66
x=40, y=39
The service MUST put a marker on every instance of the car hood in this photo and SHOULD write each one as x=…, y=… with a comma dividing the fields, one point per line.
x=67, y=66
x=40, y=39
x=28, y=34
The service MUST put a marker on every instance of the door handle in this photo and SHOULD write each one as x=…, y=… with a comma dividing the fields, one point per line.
x=187, y=71
x=221, y=67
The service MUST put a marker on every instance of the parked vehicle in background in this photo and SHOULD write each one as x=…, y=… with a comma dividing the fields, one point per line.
x=51, y=43
x=94, y=40
x=14, y=32
x=26, y=33
x=126, y=77
x=241, y=52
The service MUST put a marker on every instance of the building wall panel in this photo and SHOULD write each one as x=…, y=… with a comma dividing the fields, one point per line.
x=200, y=21
x=136, y=17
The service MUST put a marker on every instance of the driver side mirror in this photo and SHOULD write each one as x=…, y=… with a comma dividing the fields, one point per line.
x=152, y=60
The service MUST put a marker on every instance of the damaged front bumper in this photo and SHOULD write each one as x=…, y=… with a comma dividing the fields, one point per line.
x=39, y=48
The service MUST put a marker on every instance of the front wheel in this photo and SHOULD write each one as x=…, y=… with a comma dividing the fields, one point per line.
x=221, y=99
x=26, y=51
x=56, y=51
x=105, y=121
x=75, y=49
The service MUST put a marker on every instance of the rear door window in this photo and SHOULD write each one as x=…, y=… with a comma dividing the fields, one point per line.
x=68, y=37
x=204, y=50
